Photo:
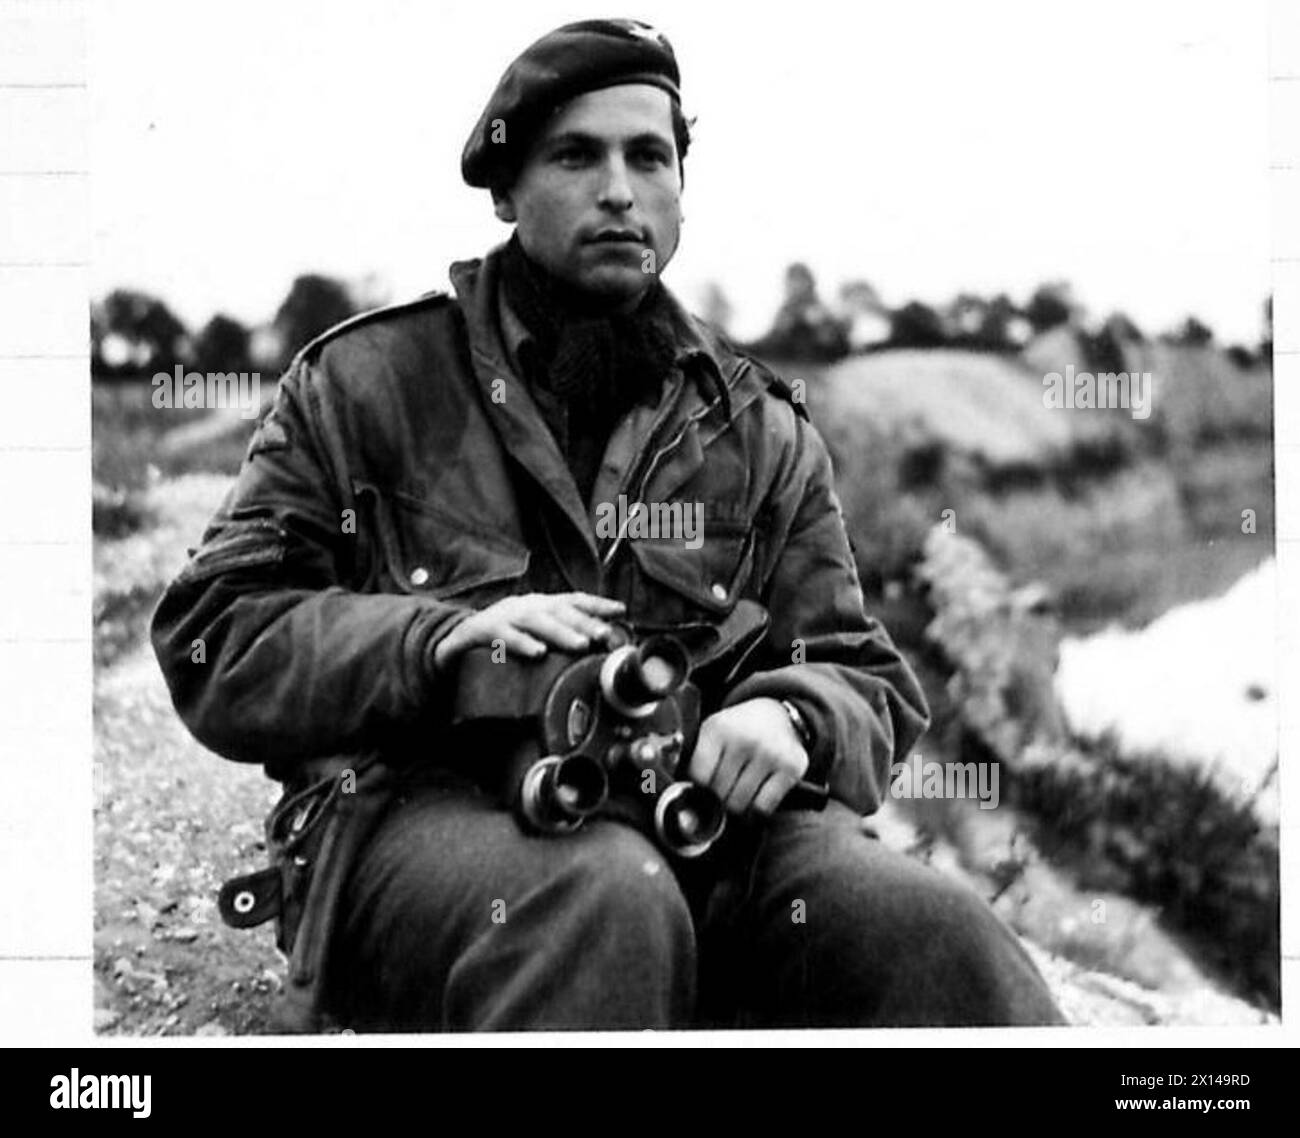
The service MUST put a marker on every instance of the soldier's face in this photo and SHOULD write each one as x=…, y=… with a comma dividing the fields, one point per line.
x=598, y=200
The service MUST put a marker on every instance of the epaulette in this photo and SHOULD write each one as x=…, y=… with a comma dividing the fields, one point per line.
x=781, y=388
x=436, y=296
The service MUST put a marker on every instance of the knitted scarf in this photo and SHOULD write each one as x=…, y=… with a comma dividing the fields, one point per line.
x=596, y=363
x=587, y=353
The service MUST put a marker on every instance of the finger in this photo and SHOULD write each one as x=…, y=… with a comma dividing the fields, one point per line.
x=554, y=631
x=519, y=643
x=771, y=794
x=704, y=759
x=474, y=632
x=596, y=606
x=741, y=796
x=731, y=765
x=580, y=622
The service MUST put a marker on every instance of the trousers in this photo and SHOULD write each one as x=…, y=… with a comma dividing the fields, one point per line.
x=454, y=919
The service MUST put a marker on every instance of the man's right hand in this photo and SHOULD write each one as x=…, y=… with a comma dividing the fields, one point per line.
x=528, y=624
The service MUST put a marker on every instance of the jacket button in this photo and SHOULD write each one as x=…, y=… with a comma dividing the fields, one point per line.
x=419, y=575
x=719, y=592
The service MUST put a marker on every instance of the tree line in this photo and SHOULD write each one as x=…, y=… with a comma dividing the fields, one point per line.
x=135, y=334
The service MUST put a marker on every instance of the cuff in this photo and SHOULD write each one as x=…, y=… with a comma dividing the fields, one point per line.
x=803, y=719
x=427, y=633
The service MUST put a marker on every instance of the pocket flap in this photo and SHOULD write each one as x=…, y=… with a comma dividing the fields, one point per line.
x=429, y=549
x=711, y=576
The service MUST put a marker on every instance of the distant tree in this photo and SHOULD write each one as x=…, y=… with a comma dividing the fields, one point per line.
x=976, y=322
x=860, y=294
x=134, y=333
x=804, y=327
x=222, y=345
x=1193, y=333
x=917, y=325
x=864, y=316
x=314, y=303
x=1242, y=356
x=1107, y=349
x=715, y=308
x=966, y=315
x=1001, y=329
x=1123, y=328
x=1051, y=304
x=800, y=285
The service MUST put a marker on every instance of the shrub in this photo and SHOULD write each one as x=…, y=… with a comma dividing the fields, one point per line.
x=1163, y=833
x=1143, y=824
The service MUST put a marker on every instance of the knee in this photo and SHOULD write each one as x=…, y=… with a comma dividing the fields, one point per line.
x=959, y=928
x=854, y=889
x=903, y=945
x=954, y=961
x=617, y=885
x=991, y=977
x=921, y=916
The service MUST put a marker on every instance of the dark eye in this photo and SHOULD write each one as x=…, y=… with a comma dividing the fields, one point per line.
x=571, y=156
x=650, y=156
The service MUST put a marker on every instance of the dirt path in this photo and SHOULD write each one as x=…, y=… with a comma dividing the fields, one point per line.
x=172, y=821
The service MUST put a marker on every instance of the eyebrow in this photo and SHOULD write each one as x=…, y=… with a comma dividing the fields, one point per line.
x=595, y=142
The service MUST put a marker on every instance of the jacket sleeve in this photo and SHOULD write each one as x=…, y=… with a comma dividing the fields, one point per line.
x=268, y=656
x=822, y=651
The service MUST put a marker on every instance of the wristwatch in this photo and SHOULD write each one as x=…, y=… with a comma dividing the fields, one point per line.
x=799, y=723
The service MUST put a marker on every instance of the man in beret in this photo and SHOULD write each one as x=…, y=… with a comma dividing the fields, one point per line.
x=428, y=484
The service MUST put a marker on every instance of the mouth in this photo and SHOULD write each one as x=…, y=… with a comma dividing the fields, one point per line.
x=617, y=237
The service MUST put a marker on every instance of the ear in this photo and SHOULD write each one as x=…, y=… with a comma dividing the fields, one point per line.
x=503, y=207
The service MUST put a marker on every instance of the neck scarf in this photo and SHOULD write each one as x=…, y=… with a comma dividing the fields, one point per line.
x=592, y=359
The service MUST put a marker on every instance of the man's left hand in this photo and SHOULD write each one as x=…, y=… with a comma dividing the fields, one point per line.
x=749, y=755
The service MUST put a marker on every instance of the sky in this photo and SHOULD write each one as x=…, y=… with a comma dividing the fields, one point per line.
x=928, y=148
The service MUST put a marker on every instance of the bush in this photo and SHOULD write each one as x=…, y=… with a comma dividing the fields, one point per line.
x=999, y=641
x=1141, y=824
x=1163, y=833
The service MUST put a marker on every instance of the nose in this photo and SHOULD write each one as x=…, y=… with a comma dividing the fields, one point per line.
x=616, y=187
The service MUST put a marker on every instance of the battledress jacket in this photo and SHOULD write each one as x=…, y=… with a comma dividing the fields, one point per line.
x=405, y=477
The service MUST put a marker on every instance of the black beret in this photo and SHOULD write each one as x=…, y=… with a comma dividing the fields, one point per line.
x=560, y=66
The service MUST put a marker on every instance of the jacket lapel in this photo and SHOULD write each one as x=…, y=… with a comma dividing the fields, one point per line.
x=516, y=415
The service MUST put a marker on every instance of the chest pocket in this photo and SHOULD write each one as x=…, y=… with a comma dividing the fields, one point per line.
x=674, y=583
x=422, y=547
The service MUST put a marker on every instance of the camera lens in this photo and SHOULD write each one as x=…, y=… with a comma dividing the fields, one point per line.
x=689, y=819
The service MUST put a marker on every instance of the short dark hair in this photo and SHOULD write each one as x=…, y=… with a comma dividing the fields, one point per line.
x=681, y=136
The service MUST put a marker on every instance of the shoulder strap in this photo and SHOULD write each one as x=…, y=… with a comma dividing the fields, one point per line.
x=779, y=387
x=436, y=296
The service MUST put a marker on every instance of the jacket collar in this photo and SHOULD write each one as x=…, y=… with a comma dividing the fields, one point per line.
x=702, y=355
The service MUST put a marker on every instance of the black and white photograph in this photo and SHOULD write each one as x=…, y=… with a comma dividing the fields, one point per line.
x=697, y=519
